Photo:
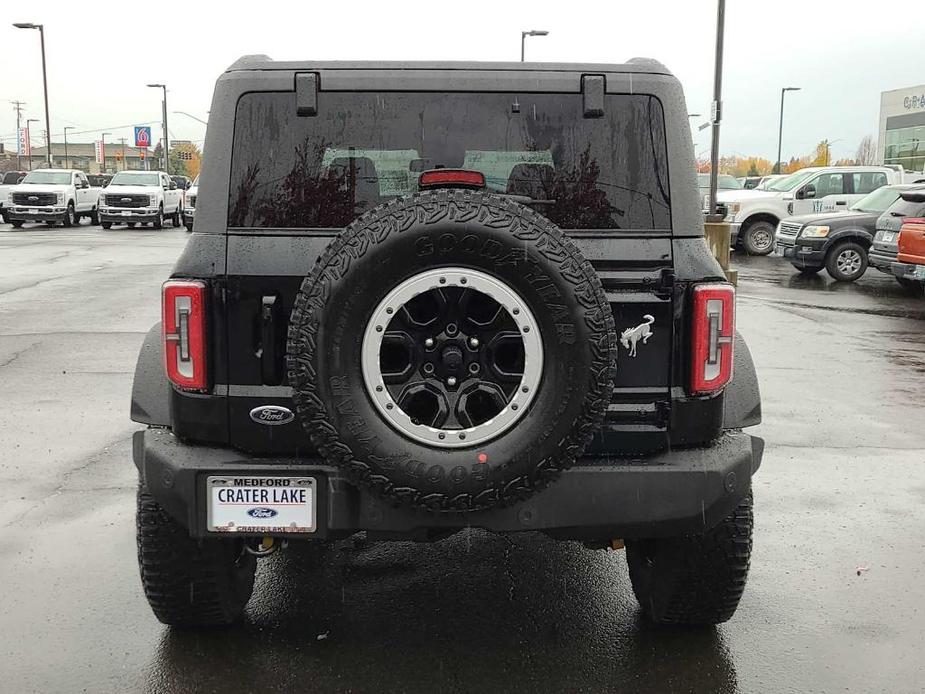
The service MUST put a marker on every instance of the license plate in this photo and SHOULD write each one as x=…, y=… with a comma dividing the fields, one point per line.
x=888, y=237
x=33, y=211
x=126, y=213
x=919, y=272
x=261, y=504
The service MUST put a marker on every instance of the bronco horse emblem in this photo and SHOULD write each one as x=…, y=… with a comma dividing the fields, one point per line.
x=630, y=337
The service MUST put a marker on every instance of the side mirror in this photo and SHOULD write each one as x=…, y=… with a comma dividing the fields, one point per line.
x=173, y=186
x=809, y=191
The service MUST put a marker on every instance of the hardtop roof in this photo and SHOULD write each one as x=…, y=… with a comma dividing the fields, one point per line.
x=634, y=65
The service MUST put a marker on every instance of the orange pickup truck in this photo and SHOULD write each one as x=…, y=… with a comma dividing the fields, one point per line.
x=911, y=258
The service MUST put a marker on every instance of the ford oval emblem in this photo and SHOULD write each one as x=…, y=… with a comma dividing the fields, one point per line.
x=261, y=512
x=272, y=415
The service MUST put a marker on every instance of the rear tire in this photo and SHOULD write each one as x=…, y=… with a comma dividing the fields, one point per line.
x=106, y=225
x=694, y=579
x=190, y=582
x=846, y=261
x=17, y=223
x=95, y=217
x=70, y=219
x=758, y=238
x=175, y=219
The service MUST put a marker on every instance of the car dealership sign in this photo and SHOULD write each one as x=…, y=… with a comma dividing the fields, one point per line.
x=914, y=102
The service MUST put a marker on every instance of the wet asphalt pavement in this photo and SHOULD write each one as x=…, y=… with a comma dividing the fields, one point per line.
x=835, y=600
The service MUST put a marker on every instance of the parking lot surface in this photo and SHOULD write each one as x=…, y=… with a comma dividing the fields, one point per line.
x=835, y=600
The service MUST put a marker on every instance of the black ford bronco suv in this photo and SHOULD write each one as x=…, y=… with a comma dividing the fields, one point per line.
x=423, y=297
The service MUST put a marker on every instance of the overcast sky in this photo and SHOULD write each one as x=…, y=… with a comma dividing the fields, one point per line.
x=102, y=54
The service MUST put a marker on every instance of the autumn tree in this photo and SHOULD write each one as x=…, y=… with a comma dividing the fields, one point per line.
x=820, y=155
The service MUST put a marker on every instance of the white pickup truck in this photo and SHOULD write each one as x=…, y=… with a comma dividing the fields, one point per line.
x=189, y=210
x=141, y=197
x=754, y=214
x=7, y=180
x=52, y=196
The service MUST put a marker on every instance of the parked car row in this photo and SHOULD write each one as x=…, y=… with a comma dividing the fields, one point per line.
x=841, y=242
x=67, y=195
x=753, y=215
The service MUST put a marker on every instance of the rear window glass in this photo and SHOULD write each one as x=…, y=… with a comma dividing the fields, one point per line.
x=906, y=208
x=364, y=148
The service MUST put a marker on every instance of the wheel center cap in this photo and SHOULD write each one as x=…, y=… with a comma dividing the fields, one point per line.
x=452, y=357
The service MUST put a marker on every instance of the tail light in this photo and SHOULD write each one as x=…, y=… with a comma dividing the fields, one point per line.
x=451, y=178
x=184, y=325
x=713, y=337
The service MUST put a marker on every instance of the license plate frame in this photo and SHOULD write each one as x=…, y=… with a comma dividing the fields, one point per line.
x=126, y=213
x=888, y=237
x=918, y=273
x=256, y=506
x=32, y=211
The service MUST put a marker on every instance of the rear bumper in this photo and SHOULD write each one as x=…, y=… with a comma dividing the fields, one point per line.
x=881, y=260
x=904, y=270
x=668, y=494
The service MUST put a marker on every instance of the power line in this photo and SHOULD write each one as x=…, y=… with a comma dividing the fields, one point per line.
x=98, y=130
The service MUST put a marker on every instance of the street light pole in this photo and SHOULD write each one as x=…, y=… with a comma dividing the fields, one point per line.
x=41, y=28
x=164, y=111
x=717, y=108
x=780, y=129
x=523, y=38
x=67, y=161
x=29, y=137
x=103, y=151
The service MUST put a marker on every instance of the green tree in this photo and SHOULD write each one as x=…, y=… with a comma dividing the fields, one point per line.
x=753, y=170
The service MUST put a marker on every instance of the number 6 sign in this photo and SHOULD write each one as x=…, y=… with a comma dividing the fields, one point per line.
x=142, y=136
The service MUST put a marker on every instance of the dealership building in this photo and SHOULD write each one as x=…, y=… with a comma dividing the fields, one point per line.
x=902, y=128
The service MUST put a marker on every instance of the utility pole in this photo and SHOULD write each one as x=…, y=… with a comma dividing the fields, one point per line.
x=17, y=106
x=164, y=112
x=123, y=152
x=67, y=160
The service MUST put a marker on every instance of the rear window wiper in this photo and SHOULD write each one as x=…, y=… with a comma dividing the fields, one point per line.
x=526, y=200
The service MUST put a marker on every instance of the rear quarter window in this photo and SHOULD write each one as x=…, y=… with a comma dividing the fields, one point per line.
x=364, y=148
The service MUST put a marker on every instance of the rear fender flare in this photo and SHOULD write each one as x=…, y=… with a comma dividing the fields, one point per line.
x=742, y=401
x=150, y=388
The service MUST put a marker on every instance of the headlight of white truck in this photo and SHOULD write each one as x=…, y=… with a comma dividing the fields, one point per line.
x=814, y=232
x=60, y=198
x=153, y=200
x=733, y=208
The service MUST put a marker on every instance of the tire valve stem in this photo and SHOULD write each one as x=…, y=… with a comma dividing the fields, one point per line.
x=451, y=381
x=429, y=342
x=474, y=342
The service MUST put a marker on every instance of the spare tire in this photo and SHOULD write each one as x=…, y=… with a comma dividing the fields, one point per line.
x=451, y=350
